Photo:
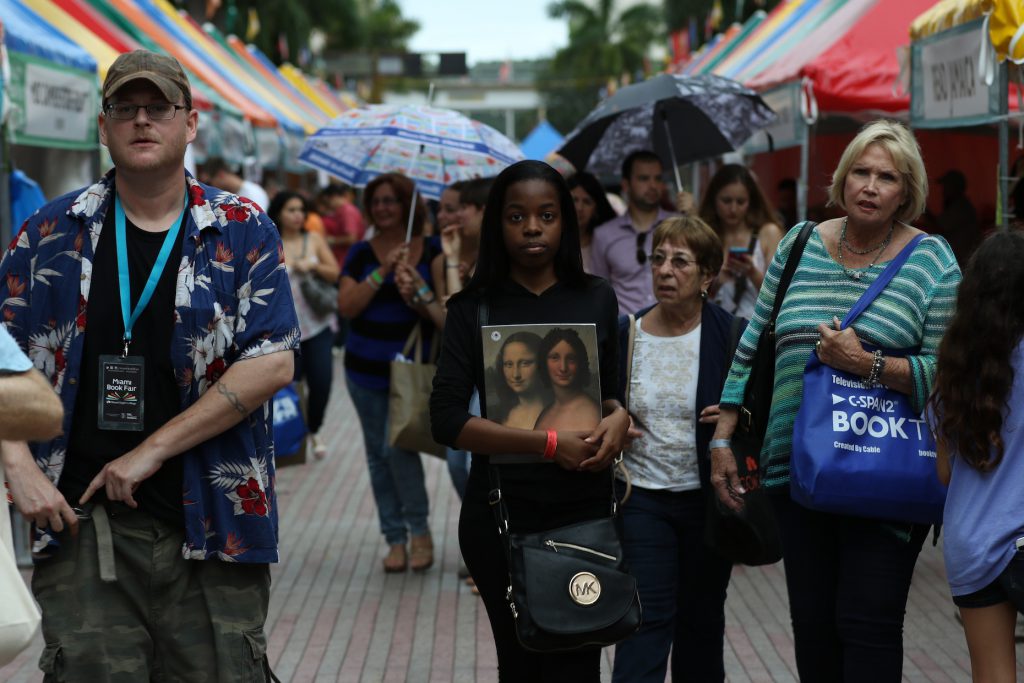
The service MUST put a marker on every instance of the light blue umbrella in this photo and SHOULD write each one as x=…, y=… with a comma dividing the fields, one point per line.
x=432, y=146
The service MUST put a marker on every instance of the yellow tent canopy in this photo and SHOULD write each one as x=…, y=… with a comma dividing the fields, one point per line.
x=1005, y=23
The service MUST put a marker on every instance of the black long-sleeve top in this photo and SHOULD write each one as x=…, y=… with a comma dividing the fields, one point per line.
x=460, y=369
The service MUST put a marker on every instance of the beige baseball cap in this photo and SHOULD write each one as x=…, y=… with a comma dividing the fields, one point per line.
x=162, y=71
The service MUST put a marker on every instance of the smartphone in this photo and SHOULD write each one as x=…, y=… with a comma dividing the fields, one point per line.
x=738, y=251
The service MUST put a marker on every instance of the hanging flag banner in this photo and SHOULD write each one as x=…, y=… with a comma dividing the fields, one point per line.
x=947, y=88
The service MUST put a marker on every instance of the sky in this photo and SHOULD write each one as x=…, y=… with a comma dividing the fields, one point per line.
x=486, y=29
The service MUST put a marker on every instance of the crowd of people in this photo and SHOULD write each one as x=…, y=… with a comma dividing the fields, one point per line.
x=624, y=330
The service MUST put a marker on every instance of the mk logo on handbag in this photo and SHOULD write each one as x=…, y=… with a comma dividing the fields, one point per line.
x=584, y=589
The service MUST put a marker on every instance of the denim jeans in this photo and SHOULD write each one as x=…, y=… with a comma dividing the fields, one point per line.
x=396, y=475
x=316, y=365
x=848, y=580
x=682, y=586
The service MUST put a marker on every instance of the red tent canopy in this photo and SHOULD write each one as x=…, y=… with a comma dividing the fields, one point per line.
x=859, y=70
x=98, y=24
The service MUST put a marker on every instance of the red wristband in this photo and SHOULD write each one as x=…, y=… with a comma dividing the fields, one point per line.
x=551, y=446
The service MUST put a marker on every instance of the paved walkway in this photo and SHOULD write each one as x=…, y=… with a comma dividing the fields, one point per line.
x=335, y=616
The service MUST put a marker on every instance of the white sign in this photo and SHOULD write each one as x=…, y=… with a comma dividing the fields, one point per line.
x=787, y=129
x=58, y=104
x=949, y=84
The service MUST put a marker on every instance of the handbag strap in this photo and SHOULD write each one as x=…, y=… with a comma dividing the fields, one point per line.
x=792, y=261
x=734, y=341
x=881, y=282
x=414, y=344
x=630, y=342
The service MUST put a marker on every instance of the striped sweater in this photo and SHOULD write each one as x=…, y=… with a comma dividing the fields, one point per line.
x=912, y=312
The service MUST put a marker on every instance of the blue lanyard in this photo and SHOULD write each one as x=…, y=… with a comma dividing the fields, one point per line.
x=154, y=275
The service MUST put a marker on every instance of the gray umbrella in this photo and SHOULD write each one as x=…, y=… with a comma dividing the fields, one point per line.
x=680, y=118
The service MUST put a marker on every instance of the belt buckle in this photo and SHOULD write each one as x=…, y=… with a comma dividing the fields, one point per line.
x=82, y=514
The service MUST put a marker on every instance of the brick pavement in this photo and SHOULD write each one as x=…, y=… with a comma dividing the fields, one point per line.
x=335, y=616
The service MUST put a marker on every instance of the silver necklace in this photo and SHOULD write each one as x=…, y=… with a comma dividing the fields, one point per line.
x=880, y=248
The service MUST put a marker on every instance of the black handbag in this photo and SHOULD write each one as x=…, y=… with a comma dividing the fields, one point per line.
x=568, y=587
x=751, y=536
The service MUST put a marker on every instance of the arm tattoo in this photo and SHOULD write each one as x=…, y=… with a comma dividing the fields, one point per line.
x=232, y=398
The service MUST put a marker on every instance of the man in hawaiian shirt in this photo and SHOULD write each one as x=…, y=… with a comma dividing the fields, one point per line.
x=160, y=312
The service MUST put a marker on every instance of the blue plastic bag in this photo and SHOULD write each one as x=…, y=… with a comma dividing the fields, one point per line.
x=289, y=426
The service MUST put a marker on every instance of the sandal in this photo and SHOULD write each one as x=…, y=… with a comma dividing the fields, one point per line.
x=319, y=448
x=396, y=561
x=421, y=552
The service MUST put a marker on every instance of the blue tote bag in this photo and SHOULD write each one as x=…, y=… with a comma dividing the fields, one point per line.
x=864, y=451
x=289, y=427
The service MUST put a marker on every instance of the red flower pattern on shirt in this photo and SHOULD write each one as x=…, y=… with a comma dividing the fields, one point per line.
x=253, y=499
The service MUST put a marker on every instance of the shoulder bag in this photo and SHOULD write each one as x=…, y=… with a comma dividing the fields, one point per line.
x=322, y=296
x=412, y=377
x=751, y=536
x=568, y=588
x=19, y=616
x=863, y=450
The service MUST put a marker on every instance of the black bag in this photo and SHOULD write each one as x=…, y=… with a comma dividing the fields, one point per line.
x=568, y=587
x=751, y=536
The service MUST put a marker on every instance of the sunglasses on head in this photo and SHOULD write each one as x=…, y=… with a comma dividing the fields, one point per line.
x=641, y=255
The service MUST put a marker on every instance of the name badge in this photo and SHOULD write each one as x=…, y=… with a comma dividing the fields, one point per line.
x=121, y=387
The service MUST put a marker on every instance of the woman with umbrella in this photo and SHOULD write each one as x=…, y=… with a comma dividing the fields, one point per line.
x=381, y=322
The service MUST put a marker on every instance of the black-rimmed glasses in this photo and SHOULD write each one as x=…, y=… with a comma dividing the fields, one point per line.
x=159, y=111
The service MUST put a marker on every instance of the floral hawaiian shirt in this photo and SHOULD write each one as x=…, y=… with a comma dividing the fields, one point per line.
x=232, y=302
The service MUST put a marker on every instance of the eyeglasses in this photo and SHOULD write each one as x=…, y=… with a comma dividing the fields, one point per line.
x=678, y=263
x=159, y=111
x=641, y=255
x=383, y=201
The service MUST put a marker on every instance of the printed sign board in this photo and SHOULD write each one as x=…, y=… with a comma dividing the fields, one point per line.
x=947, y=88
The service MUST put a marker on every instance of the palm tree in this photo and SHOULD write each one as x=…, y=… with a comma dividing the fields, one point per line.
x=604, y=45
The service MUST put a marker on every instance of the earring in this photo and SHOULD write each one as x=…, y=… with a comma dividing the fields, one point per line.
x=703, y=295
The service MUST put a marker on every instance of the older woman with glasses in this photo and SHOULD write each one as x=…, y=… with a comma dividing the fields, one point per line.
x=673, y=358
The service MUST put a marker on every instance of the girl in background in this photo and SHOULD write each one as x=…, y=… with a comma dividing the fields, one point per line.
x=979, y=415
x=306, y=255
x=592, y=209
x=737, y=210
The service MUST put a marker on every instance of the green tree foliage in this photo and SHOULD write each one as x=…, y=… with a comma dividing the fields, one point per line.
x=605, y=45
x=348, y=25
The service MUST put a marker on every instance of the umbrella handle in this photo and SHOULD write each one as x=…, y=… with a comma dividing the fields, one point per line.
x=415, y=193
x=672, y=152
x=412, y=213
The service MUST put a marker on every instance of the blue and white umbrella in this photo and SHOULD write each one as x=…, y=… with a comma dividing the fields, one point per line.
x=432, y=146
